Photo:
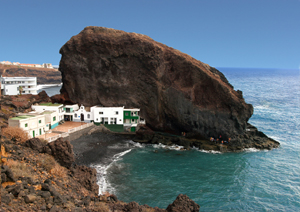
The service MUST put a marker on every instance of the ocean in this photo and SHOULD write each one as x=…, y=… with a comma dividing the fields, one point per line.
x=252, y=180
x=50, y=90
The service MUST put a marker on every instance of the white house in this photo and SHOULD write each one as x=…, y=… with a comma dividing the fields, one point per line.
x=107, y=115
x=69, y=111
x=131, y=119
x=59, y=108
x=47, y=65
x=12, y=85
x=33, y=124
x=51, y=119
x=83, y=114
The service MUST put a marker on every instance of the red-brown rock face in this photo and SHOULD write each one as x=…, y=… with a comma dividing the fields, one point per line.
x=175, y=92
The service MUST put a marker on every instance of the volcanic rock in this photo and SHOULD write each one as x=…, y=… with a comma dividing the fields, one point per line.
x=35, y=144
x=62, y=151
x=183, y=203
x=86, y=176
x=175, y=92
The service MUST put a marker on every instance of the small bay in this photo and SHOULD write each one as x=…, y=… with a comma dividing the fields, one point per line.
x=248, y=181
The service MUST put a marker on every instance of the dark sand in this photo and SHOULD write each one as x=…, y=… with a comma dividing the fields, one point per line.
x=99, y=148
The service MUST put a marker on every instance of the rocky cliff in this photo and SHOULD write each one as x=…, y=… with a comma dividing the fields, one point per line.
x=176, y=93
x=44, y=75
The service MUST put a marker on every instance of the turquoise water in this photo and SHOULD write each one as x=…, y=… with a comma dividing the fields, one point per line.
x=248, y=181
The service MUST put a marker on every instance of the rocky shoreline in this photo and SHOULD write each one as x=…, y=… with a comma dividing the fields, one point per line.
x=251, y=139
x=39, y=176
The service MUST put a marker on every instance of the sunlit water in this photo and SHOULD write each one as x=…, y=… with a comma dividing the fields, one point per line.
x=248, y=181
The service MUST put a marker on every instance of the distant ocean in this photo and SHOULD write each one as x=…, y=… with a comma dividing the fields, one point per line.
x=50, y=90
x=248, y=181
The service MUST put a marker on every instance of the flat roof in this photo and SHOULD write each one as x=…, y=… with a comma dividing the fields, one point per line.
x=48, y=112
x=132, y=109
x=18, y=78
x=22, y=117
x=50, y=104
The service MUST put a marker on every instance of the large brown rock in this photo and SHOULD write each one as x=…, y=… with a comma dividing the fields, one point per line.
x=62, y=151
x=183, y=203
x=175, y=92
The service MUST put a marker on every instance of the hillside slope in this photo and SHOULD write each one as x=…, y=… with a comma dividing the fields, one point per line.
x=44, y=75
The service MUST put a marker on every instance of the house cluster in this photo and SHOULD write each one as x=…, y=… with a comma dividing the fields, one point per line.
x=47, y=116
x=44, y=65
x=18, y=85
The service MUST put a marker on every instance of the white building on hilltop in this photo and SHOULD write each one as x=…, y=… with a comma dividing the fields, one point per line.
x=15, y=85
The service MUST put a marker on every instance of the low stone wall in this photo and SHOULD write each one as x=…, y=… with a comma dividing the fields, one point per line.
x=72, y=134
x=77, y=134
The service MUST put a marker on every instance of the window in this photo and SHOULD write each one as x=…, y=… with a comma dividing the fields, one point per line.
x=101, y=112
x=126, y=114
x=117, y=112
x=75, y=115
x=40, y=121
x=88, y=115
x=132, y=121
x=26, y=125
x=54, y=118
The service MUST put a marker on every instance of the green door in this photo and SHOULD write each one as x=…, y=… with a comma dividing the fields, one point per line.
x=40, y=131
x=33, y=134
x=132, y=129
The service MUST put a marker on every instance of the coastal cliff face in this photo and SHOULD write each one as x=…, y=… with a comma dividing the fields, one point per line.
x=44, y=75
x=176, y=93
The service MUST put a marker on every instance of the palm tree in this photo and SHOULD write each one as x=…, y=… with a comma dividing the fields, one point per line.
x=20, y=90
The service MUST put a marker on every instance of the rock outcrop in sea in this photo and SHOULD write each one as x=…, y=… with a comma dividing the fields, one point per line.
x=175, y=92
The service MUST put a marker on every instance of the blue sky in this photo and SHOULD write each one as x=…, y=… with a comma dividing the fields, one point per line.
x=222, y=33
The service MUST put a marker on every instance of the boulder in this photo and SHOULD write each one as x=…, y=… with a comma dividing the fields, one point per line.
x=62, y=151
x=30, y=198
x=183, y=203
x=7, y=174
x=35, y=144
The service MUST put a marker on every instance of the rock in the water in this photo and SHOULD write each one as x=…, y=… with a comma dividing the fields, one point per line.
x=183, y=203
x=175, y=92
